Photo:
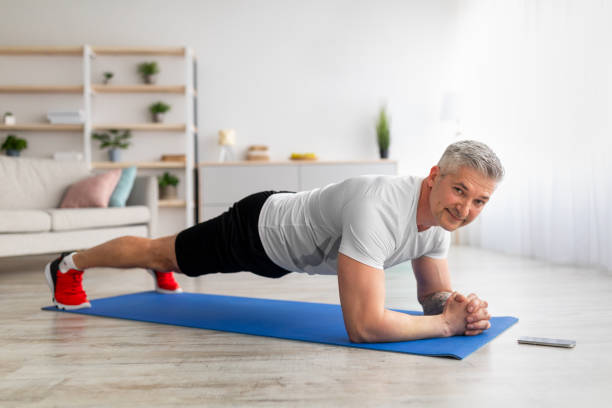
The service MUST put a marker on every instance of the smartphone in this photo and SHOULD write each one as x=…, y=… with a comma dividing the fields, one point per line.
x=541, y=341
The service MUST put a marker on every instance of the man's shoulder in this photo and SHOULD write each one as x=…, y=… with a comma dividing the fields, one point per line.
x=376, y=184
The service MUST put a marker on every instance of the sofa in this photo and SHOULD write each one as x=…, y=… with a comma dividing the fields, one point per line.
x=31, y=191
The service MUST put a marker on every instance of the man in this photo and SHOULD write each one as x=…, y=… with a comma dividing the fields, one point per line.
x=355, y=229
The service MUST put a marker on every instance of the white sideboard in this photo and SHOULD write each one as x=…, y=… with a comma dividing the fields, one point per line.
x=222, y=184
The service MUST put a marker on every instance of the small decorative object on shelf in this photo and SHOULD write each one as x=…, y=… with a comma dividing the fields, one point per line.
x=258, y=152
x=167, y=186
x=107, y=77
x=115, y=140
x=9, y=118
x=158, y=109
x=383, y=135
x=303, y=156
x=227, y=139
x=14, y=145
x=174, y=158
x=148, y=71
x=66, y=117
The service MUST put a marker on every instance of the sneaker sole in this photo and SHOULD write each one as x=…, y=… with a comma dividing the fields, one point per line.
x=160, y=290
x=55, y=302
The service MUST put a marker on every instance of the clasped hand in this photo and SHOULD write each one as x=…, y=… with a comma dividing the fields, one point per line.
x=466, y=315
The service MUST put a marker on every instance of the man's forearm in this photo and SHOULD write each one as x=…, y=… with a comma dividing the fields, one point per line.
x=397, y=326
x=433, y=304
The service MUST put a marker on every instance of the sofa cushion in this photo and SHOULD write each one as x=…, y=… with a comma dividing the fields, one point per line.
x=24, y=221
x=94, y=191
x=63, y=219
x=124, y=187
x=31, y=183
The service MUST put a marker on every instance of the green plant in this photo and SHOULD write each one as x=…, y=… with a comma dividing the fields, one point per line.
x=148, y=68
x=12, y=142
x=8, y=114
x=108, y=75
x=167, y=179
x=382, y=129
x=113, y=138
x=159, y=107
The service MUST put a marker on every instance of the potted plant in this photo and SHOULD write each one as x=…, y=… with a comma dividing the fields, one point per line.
x=148, y=70
x=9, y=119
x=158, y=109
x=115, y=140
x=107, y=77
x=382, y=133
x=14, y=145
x=167, y=186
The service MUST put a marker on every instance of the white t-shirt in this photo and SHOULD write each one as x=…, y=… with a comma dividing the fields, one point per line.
x=371, y=219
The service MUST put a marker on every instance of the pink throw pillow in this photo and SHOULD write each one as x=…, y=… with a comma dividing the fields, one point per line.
x=93, y=191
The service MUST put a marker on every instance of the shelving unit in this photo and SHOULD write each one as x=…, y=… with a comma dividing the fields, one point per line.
x=88, y=90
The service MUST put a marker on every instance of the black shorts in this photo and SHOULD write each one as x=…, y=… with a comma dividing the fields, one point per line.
x=228, y=243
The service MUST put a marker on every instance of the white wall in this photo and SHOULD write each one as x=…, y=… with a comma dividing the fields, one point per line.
x=537, y=80
x=298, y=76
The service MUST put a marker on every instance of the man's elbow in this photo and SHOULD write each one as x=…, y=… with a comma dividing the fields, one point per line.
x=362, y=333
x=355, y=337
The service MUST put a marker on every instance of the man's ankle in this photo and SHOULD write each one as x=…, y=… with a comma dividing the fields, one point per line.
x=67, y=263
x=77, y=261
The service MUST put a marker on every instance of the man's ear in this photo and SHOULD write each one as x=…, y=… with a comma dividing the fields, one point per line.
x=433, y=174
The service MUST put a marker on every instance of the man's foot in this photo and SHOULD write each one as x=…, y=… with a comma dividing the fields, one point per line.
x=165, y=282
x=66, y=287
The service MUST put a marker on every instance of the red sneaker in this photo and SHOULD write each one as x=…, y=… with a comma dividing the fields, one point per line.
x=165, y=282
x=67, y=288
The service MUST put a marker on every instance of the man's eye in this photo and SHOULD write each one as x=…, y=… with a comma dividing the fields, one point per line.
x=479, y=203
x=458, y=190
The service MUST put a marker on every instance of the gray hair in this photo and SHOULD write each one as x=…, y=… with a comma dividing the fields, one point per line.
x=473, y=154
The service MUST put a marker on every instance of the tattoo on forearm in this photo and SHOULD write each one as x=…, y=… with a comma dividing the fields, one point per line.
x=434, y=304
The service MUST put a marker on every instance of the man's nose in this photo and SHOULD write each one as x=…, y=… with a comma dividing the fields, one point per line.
x=463, y=210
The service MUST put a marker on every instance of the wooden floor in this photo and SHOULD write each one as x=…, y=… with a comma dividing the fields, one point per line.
x=59, y=359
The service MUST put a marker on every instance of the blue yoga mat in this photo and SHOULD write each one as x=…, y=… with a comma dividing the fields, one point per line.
x=314, y=322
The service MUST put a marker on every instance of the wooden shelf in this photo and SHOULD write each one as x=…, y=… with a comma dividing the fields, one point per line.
x=140, y=165
x=178, y=89
x=172, y=203
x=79, y=127
x=78, y=51
x=41, y=89
x=72, y=51
x=170, y=127
x=168, y=51
x=43, y=127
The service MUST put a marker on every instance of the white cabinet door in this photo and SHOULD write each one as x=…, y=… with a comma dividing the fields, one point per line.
x=319, y=175
x=228, y=184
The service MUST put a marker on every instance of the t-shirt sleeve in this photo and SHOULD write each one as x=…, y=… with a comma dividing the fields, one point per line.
x=440, y=250
x=367, y=236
